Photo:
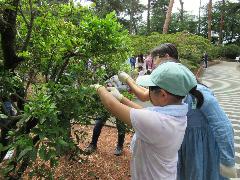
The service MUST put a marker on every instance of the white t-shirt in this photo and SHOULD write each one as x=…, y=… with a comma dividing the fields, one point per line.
x=159, y=133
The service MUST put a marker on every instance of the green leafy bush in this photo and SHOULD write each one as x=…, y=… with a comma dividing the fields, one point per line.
x=70, y=48
x=229, y=51
x=191, y=47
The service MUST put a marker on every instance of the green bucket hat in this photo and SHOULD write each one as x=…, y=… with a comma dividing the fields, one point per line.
x=172, y=77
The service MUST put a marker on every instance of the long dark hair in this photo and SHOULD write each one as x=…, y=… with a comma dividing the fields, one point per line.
x=140, y=58
x=198, y=95
x=166, y=48
x=194, y=92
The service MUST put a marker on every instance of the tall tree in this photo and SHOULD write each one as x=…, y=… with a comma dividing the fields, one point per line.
x=103, y=7
x=181, y=10
x=209, y=20
x=199, y=17
x=8, y=35
x=148, y=16
x=222, y=22
x=129, y=12
x=231, y=21
x=134, y=10
x=159, y=9
x=189, y=23
x=168, y=17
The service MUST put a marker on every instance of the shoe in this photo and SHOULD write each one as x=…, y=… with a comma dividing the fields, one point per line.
x=90, y=149
x=118, y=151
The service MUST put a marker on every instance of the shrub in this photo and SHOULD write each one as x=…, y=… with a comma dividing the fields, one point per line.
x=229, y=51
x=191, y=47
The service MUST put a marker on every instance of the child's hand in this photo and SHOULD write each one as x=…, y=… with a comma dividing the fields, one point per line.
x=228, y=172
x=122, y=76
x=115, y=93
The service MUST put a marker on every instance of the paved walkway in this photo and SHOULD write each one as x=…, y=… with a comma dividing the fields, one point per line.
x=224, y=80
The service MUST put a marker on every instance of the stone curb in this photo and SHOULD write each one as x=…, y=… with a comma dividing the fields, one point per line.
x=200, y=70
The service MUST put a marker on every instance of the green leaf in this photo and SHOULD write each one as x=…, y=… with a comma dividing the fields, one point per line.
x=3, y=116
x=4, y=148
x=43, y=153
x=7, y=169
x=24, y=152
x=53, y=162
x=25, y=118
x=33, y=154
x=1, y=147
x=42, y=120
x=11, y=133
x=62, y=142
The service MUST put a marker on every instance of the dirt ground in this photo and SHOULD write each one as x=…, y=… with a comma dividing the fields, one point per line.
x=102, y=164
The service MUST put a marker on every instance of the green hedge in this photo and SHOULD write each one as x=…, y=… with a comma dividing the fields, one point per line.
x=229, y=51
x=191, y=47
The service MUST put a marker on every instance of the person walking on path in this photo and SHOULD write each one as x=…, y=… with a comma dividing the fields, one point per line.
x=159, y=130
x=207, y=151
x=101, y=120
x=205, y=58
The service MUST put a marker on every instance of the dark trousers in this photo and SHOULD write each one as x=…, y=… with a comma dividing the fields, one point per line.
x=206, y=63
x=100, y=121
x=133, y=65
x=9, y=108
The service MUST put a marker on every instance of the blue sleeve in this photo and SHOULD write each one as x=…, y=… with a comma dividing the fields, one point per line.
x=221, y=128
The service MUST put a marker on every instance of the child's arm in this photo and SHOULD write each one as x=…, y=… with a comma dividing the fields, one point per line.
x=119, y=107
x=141, y=92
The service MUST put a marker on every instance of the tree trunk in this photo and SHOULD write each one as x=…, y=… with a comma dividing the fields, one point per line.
x=148, y=16
x=168, y=17
x=131, y=17
x=222, y=22
x=8, y=36
x=199, y=17
x=29, y=26
x=181, y=11
x=209, y=20
x=135, y=27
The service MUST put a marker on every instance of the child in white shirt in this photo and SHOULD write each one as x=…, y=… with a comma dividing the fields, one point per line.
x=159, y=130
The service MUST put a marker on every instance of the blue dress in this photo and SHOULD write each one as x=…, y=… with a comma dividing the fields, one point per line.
x=208, y=141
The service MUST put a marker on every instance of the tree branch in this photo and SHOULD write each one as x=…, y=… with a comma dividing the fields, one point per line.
x=30, y=26
x=23, y=16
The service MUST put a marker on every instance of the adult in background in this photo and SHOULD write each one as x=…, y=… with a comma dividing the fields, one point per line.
x=149, y=62
x=140, y=61
x=141, y=71
x=101, y=120
x=132, y=62
x=205, y=58
x=207, y=151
